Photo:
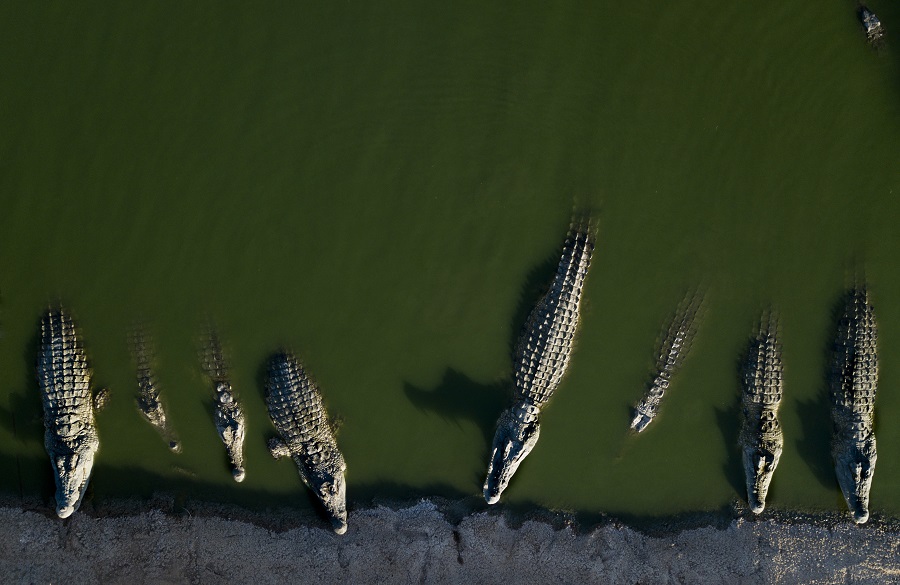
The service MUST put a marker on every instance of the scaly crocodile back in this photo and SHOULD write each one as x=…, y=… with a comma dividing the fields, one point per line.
x=142, y=352
x=213, y=361
x=674, y=347
x=854, y=375
x=296, y=409
x=228, y=414
x=545, y=345
x=148, y=400
x=763, y=388
x=64, y=378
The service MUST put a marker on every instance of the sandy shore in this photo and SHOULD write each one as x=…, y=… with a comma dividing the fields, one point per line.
x=424, y=543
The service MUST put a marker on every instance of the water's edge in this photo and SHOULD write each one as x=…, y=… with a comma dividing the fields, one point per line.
x=433, y=540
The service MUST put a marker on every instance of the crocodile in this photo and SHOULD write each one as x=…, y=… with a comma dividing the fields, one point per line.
x=228, y=415
x=853, y=381
x=148, y=400
x=64, y=378
x=541, y=358
x=874, y=28
x=761, y=437
x=296, y=409
x=676, y=344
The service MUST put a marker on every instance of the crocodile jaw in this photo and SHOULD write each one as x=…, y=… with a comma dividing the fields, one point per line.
x=855, y=467
x=517, y=433
x=72, y=472
x=332, y=491
x=759, y=467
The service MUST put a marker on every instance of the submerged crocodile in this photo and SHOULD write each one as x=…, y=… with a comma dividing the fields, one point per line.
x=854, y=378
x=148, y=399
x=676, y=344
x=541, y=358
x=873, y=26
x=64, y=378
x=228, y=415
x=296, y=409
x=761, y=437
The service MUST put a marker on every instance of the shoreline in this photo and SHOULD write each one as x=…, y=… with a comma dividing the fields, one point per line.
x=433, y=541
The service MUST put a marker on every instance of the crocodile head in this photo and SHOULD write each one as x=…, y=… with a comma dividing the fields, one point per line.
x=759, y=466
x=332, y=491
x=855, y=466
x=72, y=470
x=517, y=433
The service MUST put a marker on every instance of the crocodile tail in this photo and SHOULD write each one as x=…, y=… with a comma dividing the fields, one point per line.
x=578, y=249
x=213, y=358
x=677, y=338
x=763, y=365
x=141, y=344
x=584, y=223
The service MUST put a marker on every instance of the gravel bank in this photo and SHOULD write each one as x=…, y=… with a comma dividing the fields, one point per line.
x=418, y=544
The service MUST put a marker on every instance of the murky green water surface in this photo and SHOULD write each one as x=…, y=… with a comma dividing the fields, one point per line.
x=382, y=189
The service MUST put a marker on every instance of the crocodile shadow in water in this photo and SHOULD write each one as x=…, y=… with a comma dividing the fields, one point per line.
x=24, y=419
x=813, y=445
x=815, y=414
x=459, y=397
x=135, y=490
x=728, y=420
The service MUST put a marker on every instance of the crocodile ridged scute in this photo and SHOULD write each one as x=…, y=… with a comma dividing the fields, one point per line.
x=296, y=409
x=541, y=359
x=545, y=345
x=149, y=401
x=676, y=344
x=762, y=439
x=70, y=437
x=228, y=414
x=854, y=381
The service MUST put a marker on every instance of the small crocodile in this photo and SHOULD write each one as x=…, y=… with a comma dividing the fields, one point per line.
x=761, y=437
x=299, y=416
x=541, y=358
x=64, y=378
x=853, y=380
x=228, y=415
x=874, y=28
x=148, y=400
x=676, y=344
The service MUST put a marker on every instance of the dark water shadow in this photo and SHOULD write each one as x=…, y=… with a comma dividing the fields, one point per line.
x=815, y=414
x=26, y=413
x=813, y=445
x=728, y=420
x=23, y=418
x=458, y=397
x=537, y=284
x=116, y=492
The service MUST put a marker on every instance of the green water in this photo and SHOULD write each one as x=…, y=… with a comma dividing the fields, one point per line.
x=382, y=189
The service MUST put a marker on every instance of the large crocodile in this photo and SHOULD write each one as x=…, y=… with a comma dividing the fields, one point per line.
x=228, y=415
x=296, y=409
x=675, y=345
x=148, y=399
x=541, y=358
x=761, y=437
x=853, y=380
x=64, y=378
